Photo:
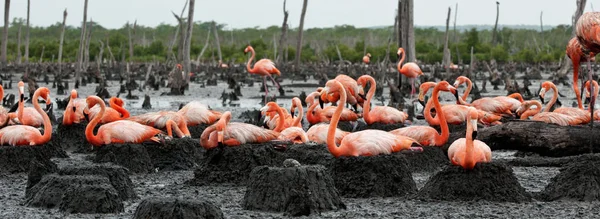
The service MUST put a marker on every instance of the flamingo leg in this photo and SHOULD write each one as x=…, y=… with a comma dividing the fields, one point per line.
x=274, y=82
x=412, y=84
x=592, y=102
x=266, y=89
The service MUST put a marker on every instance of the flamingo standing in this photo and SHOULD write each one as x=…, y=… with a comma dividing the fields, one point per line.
x=369, y=142
x=586, y=29
x=168, y=120
x=114, y=113
x=575, y=53
x=234, y=133
x=263, y=67
x=367, y=58
x=196, y=113
x=381, y=114
x=121, y=131
x=588, y=95
x=583, y=115
x=548, y=117
x=467, y=152
x=27, y=115
x=74, y=110
x=426, y=135
x=486, y=103
x=316, y=115
x=17, y=135
x=410, y=70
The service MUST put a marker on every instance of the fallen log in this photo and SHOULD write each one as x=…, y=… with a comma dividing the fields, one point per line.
x=541, y=138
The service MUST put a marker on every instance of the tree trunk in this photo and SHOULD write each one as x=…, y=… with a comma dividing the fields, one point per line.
x=205, y=46
x=42, y=55
x=88, y=38
x=495, y=33
x=447, y=59
x=412, y=54
x=566, y=61
x=5, y=31
x=187, y=66
x=131, y=39
x=176, y=35
x=454, y=36
x=284, y=29
x=79, y=69
x=300, y=31
x=216, y=32
x=112, y=59
x=19, y=55
x=27, y=41
x=60, y=45
x=398, y=21
x=99, y=58
x=181, y=39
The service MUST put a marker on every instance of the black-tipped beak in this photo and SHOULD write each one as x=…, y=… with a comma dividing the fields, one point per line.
x=292, y=113
x=587, y=100
x=422, y=103
x=49, y=107
x=74, y=109
x=22, y=97
x=86, y=116
x=362, y=96
x=355, y=107
x=321, y=103
x=245, y=52
x=474, y=135
x=541, y=99
x=456, y=96
x=220, y=144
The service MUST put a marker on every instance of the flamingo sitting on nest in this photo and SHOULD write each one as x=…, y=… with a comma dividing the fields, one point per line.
x=467, y=152
x=74, y=110
x=548, y=117
x=17, y=135
x=27, y=115
x=114, y=113
x=583, y=115
x=168, y=120
x=488, y=104
x=196, y=113
x=234, y=133
x=381, y=114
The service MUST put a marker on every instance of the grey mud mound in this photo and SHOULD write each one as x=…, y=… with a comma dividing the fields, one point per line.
x=76, y=194
x=310, y=154
x=487, y=181
x=431, y=159
x=176, y=154
x=72, y=138
x=579, y=181
x=196, y=131
x=176, y=208
x=134, y=157
x=379, y=126
x=297, y=191
x=18, y=159
x=117, y=175
x=233, y=164
x=374, y=176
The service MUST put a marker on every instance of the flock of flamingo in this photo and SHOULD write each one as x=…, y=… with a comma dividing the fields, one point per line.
x=118, y=126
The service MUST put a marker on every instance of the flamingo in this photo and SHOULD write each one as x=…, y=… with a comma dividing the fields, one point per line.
x=234, y=133
x=272, y=107
x=367, y=58
x=74, y=110
x=316, y=115
x=410, y=70
x=273, y=115
x=263, y=67
x=318, y=134
x=381, y=114
x=586, y=29
x=486, y=103
x=548, y=117
x=575, y=53
x=222, y=65
x=121, y=131
x=426, y=135
x=196, y=113
x=26, y=115
x=369, y=142
x=455, y=114
x=467, y=152
x=4, y=118
x=114, y=113
x=587, y=94
x=296, y=135
x=18, y=135
x=352, y=89
x=168, y=120
x=583, y=115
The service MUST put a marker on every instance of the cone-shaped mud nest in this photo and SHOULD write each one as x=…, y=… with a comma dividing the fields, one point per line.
x=487, y=181
x=134, y=157
x=296, y=190
x=176, y=154
x=18, y=158
x=176, y=208
x=72, y=138
x=579, y=181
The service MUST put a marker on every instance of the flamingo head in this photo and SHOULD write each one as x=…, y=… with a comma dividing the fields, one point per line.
x=117, y=101
x=248, y=49
x=73, y=94
x=21, y=87
x=547, y=85
x=311, y=98
x=400, y=51
x=473, y=117
x=221, y=125
x=445, y=86
x=269, y=108
x=460, y=80
x=368, y=55
x=331, y=92
x=179, y=67
x=295, y=103
x=423, y=90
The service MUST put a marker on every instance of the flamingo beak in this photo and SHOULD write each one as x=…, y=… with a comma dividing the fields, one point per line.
x=541, y=98
x=422, y=102
x=321, y=103
x=474, y=124
x=456, y=83
x=355, y=107
x=362, y=96
x=21, y=89
x=220, y=137
x=86, y=116
x=74, y=109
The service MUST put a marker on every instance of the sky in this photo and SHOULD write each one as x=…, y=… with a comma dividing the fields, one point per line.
x=320, y=13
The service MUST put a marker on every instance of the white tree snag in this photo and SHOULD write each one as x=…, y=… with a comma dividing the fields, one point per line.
x=112, y=59
x=412, y=54
x=79, y=69
x=88, y=38
x=27, y=41
x=447, y=59
x=42, y=55
x=284, y=29
x=216, y=33
x=99, y=58
x=5, y=31
x=187, y=66
x=300, y=32
x=19, y=55
x=205, y=46
x=495, y=33
x=62, y=40
x=566, y=62
x=176, y=35
x=130, y=35
x=454, y=36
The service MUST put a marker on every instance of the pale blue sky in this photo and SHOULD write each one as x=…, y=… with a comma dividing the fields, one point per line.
x=320, y=13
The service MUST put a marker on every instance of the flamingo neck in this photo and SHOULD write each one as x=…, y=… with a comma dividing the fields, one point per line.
x=298, y=118
x=21, y=106
x=251, y=70
x=331, y=145
x=440, y=139
x=124, y=113
x=553, y=100
x=575, y=79
x=463, y=100
x=401, y=61
x=530, y=112
x=312, y=119
x=89, y=129
x=47, y=124
x=469, y=161
x=517, y=96
x=208, y=139
x=281, y=122
x=367, y=104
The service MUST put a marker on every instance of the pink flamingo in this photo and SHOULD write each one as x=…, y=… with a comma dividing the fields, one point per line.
x=74, y=110
x=548, y=117
x=363, y=143
x=381, y=114
x=296, y=135
x=234, y=133
x=4, y=118
x=169, y=120
x=486, y=103
x=367, y=58
x=410, y=70
x=318, y=134
x=263, y=67
x=583, y=115
x=196, y=113
x=114, y=113
x=316, y=115
x=467, y=152
x=575, y=53
x=17, y=135
x=26, y=115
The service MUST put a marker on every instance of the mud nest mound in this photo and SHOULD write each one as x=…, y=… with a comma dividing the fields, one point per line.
x=375, y=176
x=431, y=159
x=299, y=190
x=487, y=181
x=72, y=138
x=134, y=157
x=176, y=154
x=75, y=194
x=379, y=126
x=18, y=159
x=579, y=181
x=234, y=164
x=176, y=208
x=117, y=175
x=310, y=154
x=197, y=130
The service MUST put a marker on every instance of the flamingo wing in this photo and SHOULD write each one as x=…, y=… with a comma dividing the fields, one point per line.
x=318, y=134
x=246, y=133
x=126, y=131
x=18, y=135
x=425, y=135
x=266, y=66
x=387, y=115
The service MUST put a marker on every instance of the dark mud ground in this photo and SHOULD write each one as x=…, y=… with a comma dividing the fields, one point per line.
x=229, y=198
